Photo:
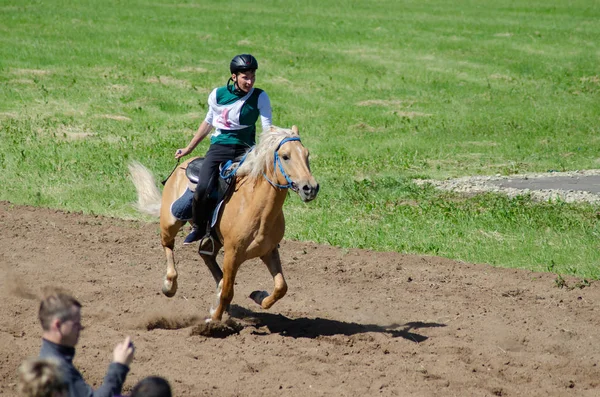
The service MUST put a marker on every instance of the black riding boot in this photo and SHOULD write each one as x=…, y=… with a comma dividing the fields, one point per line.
x=199, y=219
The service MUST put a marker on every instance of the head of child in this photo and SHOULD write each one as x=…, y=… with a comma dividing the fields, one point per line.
x=152, y=386
x=243, y=72
x=41, y=378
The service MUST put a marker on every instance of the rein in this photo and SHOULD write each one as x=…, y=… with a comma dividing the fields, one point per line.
x=277, y=162
x=224, y=170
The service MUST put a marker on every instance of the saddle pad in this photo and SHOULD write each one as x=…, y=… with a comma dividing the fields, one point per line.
x=182, y=207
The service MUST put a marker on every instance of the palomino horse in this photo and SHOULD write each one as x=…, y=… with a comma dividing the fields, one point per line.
x=252, y=222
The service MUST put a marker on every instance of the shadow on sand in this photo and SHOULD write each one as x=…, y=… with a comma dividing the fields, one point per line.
x=314, y=327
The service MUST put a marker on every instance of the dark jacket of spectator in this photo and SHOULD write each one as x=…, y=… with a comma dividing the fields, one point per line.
x=113, y=381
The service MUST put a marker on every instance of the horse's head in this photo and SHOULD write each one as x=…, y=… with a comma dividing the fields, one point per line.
x=282, y=159
x=291, y=167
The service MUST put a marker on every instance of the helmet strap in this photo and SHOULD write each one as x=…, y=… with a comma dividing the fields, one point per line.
x=233, y=88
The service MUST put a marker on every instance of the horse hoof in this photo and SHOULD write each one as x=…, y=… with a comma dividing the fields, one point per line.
x=258, y=296
x=169, y=288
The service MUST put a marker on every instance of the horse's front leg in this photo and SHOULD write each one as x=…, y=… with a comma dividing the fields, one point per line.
x=231, y=265
x=211, y=260
x=213, y=266
x=273, y=263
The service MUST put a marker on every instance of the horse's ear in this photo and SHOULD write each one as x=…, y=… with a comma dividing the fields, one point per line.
x=295, y=130
x=272, y=129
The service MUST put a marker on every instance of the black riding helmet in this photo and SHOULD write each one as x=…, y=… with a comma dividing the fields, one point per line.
x=243, y=63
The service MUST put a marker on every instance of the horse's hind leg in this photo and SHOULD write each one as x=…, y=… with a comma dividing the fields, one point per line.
x=167, y=236
x=273, y=263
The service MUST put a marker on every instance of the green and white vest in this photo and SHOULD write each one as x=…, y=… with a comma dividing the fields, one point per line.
x=234, y=116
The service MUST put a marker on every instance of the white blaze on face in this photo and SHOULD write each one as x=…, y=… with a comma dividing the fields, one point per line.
x=299, y=153
x=299, y=150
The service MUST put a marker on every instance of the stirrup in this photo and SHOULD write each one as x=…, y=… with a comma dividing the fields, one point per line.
x=212, y=241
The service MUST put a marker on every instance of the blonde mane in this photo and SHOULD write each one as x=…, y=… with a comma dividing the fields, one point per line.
x=260, y=157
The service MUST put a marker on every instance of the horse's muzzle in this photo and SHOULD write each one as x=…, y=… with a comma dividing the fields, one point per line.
x=308, y=192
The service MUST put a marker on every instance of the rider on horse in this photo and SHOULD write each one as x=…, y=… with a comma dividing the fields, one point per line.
x=233, y=111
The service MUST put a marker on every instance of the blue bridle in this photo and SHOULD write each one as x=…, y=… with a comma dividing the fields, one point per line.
x=277, y=162
x=226, y=173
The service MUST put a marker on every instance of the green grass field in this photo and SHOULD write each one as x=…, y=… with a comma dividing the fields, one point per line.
x=383, y=92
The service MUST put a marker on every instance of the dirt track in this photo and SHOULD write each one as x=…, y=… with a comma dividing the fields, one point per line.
x=354, y=323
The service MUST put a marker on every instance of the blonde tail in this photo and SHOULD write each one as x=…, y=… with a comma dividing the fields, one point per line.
x=149, y=196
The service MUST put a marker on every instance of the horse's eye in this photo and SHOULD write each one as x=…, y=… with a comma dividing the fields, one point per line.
x=285, y=157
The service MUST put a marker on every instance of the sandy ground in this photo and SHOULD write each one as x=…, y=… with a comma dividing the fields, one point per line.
x=354, y=323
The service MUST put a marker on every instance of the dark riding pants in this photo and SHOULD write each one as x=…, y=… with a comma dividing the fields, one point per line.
x=207, y=181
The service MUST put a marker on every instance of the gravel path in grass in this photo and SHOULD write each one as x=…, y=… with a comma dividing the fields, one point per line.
x=573, y=186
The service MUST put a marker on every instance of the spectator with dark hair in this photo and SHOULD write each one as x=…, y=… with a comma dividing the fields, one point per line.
x=60, y=317
x=41, y=378
x=152, y=386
